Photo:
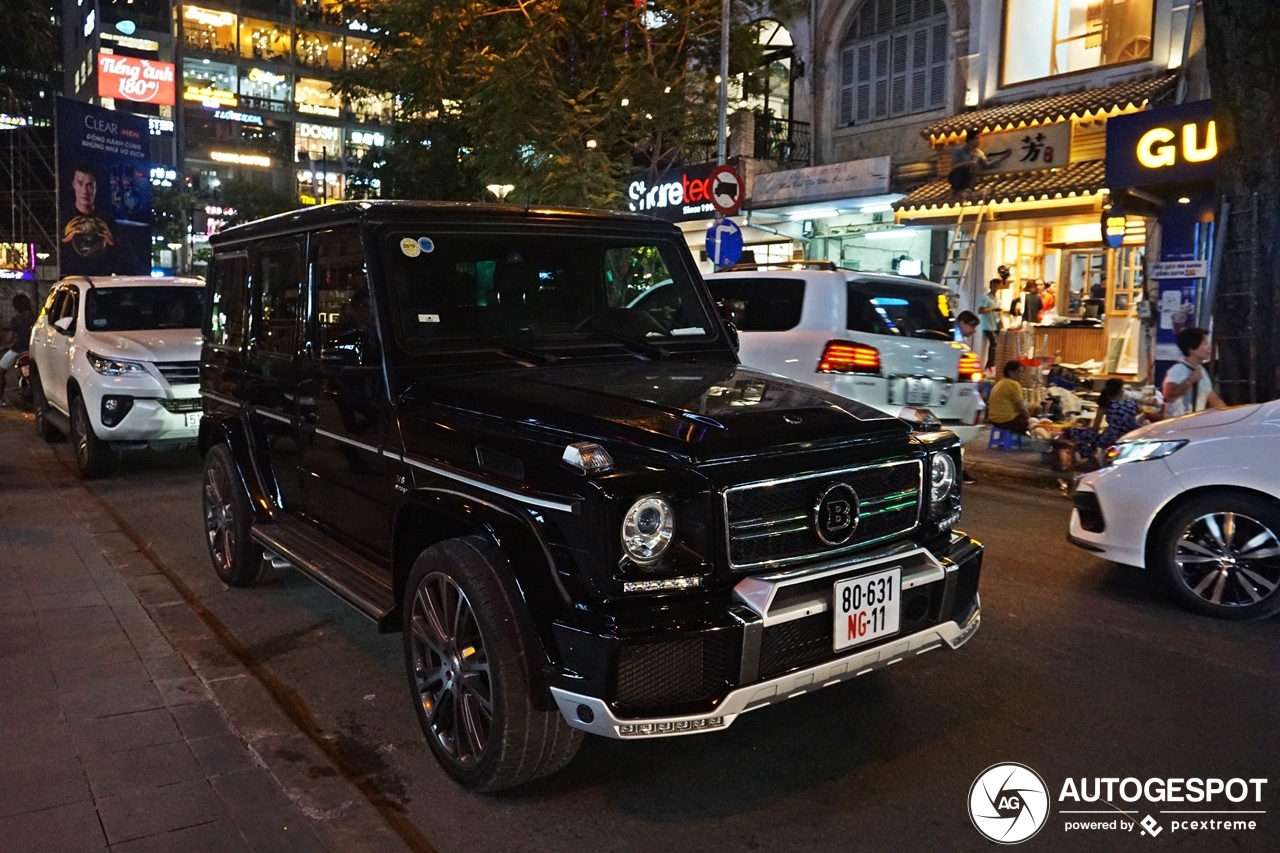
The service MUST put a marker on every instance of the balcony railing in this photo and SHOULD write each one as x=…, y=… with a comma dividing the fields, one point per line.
x=782, y=140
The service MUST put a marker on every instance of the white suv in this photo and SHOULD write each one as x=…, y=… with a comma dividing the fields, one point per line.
x=117, y=366
x=882, y=340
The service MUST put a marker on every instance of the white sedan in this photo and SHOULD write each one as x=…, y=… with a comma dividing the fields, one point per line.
x=1197, y=499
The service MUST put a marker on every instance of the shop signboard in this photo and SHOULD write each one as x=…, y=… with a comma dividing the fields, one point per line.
x=129, y=78
x=850, y=179
x=1113, y=225
x=17, y=261
x=1168, y=145
x=679, y=195
x=104, y=191
x=1046, y=146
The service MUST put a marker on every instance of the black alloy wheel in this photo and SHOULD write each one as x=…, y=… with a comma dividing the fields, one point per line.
x=40, y=406
x=94, y=457
x=472, y=658
x=1221, y=552
x=227, y=521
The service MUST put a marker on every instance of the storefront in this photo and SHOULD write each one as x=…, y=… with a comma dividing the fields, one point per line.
x=261, y=89
x=1037, y=210
x=211, y=84
x=209, y=30
x=317, y=98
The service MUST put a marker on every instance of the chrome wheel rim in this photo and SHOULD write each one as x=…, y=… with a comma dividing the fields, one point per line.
x=1228, y=559
x=451, y=669
x=80, y=427
x=219, y=518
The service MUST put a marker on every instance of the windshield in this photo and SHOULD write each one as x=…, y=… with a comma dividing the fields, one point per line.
x=131, y=309
x=883, y=308
x=540, y=291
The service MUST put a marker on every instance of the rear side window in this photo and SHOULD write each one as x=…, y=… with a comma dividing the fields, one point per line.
x=759, y=304
x=885, y=309
x=228, y=299
x=277, y=278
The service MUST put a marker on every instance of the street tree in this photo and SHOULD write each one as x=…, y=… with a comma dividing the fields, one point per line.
x=559, y=98
x=1242, y=53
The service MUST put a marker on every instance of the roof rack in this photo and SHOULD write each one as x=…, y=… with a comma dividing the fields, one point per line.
x=780, y=265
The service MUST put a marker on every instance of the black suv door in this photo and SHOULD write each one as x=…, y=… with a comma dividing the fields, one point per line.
x=342, y=395
x=271, y=374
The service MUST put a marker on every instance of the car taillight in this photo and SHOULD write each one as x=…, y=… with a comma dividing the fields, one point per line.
x=970, y=368
x=847, y=357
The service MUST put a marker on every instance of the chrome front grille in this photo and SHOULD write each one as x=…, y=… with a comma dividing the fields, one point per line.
x=771, y=523
x=183, y=405
x=179, y=372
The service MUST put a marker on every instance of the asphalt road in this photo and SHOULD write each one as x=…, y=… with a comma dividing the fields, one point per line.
x=1081, y=669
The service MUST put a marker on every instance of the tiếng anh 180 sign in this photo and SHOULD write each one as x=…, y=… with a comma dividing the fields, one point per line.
x=132, y=79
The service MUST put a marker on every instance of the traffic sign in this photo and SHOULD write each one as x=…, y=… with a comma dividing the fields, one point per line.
x=724, y=243
x=726, y=190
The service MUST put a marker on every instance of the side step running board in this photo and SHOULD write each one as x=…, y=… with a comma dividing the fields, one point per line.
x=355, y=580
x=60, y=422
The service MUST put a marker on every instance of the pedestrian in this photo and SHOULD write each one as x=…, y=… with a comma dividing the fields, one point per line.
x=989, y=311
x=1187, y=386
x=967, y=324
x=967, y=162
x=1032, y=303
x=1122, y=416
x=1005, y=407
x=18, y=337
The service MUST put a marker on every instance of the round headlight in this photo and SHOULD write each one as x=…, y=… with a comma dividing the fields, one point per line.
x=647, y=529
x=942, y=476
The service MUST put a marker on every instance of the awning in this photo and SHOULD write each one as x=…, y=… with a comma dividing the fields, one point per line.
x=1091, y=103
x=1079, y=180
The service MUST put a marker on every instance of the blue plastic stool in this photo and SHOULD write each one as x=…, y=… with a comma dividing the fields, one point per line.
x=1004, y=439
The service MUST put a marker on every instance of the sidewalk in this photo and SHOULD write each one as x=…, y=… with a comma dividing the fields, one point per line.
x=108, y=739
x=1019, y=465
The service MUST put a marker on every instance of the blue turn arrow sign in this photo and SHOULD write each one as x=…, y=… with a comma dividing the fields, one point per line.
x=724, y=243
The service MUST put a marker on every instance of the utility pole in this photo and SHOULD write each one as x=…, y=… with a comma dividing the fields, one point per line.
x=722, y=138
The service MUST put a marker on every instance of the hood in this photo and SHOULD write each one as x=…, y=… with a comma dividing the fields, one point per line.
x=1193, y=426
x=700, y=410
x=145, y=345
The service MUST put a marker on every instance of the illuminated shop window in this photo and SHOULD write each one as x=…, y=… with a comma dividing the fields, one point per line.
x=1045, y=38
x=317, y=141
x=377, y=110
x=319, y=50
x=317, y=98
x=325, y=11
x=264, y=40
x=209, y=29
x=894, y=61
x=359, y=52
x=212, y=84
x=263, y=89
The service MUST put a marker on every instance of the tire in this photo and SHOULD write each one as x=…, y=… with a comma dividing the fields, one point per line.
x=94, y=457
x=228, y=517
x=470, y=646
x=40, y=405
x=1221, y=554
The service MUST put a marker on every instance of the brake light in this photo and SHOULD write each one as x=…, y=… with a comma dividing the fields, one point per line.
x=970, y=368
x=847, y=357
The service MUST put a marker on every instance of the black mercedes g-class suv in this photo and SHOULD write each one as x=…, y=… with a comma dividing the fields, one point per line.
x=583, y=515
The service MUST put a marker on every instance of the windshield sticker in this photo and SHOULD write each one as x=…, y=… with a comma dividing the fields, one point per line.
x=425, y=244
x=428, y=318
x=409, y=247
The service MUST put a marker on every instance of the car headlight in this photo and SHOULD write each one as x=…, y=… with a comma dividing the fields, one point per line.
x=114, y=366
x=647, y=529
x=942, y=476
x=1141, y=451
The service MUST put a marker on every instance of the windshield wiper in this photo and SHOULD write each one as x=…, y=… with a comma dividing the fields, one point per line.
x=655, y=351
x=519, y=353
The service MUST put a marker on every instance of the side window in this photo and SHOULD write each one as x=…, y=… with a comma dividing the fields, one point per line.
x=69, y=304
x=340, y=329
x=277, y=277
x=228, y=298
x=48, y=310
x=759, y=304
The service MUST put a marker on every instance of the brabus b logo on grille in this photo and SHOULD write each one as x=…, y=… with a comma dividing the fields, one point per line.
x=835, y=514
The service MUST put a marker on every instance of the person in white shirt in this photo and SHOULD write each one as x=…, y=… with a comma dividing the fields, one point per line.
x=1187, y=386
x=989, y=309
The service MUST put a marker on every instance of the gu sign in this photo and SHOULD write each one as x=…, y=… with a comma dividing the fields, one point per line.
x=1162, y=146
x=133, y=79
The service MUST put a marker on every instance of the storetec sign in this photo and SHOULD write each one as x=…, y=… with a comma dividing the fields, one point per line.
x=133, y=79
x=677, y=196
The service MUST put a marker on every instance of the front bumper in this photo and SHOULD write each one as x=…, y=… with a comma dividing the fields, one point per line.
x=700, y=672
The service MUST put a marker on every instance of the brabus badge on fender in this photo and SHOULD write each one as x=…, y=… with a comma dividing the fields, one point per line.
x=835, y=514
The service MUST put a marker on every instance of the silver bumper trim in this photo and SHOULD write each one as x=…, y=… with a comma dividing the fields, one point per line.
x=603, y=722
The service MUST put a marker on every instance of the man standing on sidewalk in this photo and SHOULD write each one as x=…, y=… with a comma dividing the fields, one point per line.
x=989, y=312
x=18, y=337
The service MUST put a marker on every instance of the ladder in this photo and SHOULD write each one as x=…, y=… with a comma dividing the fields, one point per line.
x=960, y=249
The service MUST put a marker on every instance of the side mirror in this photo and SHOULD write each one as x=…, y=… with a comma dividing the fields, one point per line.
x=64, y=324
x=734, y=340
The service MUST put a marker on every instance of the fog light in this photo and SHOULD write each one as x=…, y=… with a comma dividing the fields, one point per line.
x=114, y=410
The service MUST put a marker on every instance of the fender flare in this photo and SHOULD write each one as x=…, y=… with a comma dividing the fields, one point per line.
x=429, y=515
x=231, y=430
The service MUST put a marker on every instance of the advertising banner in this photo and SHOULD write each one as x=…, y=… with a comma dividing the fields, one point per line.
x=104, y=193
x=133, y=79
x=1162, y=146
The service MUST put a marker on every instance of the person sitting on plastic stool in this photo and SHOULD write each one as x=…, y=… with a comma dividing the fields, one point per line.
x=1005, y=408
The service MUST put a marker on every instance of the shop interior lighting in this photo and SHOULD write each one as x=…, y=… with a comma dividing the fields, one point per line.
x=884, y=207
x=889, y=233
x=1184, y=200
x=815, y=214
